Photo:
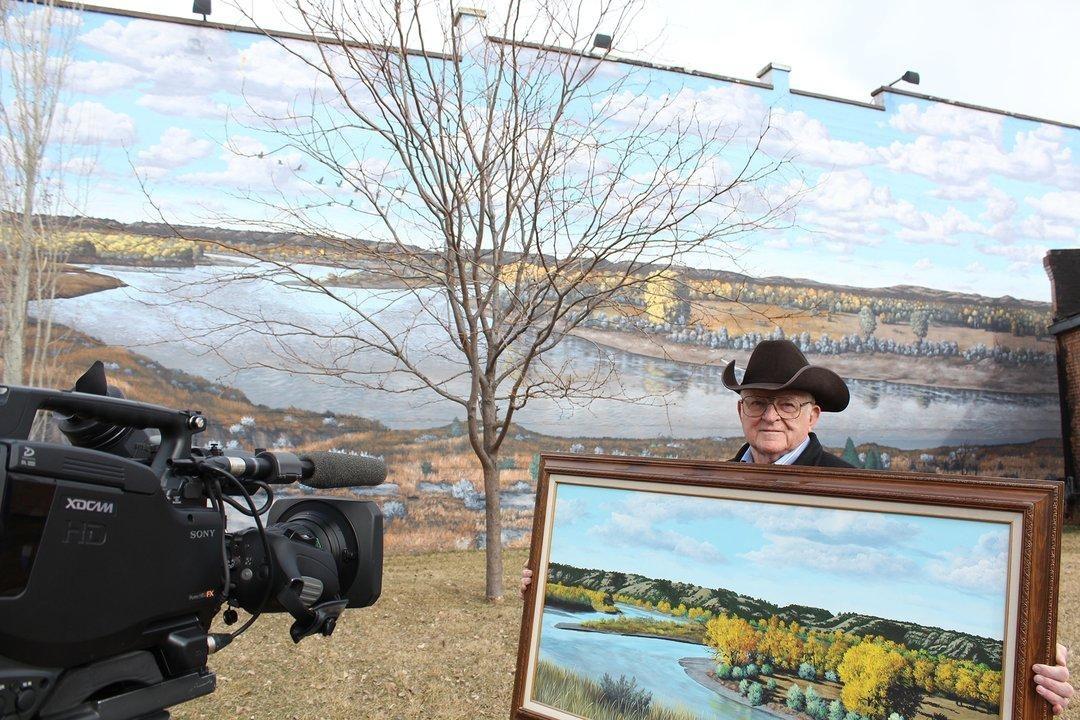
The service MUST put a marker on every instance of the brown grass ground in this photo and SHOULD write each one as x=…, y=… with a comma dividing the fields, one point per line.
x=430, y=648
x=76, y=281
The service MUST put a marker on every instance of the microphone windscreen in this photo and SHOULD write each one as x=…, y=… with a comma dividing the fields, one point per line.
x=339, y=470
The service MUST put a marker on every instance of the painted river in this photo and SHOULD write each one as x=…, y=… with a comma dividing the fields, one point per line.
x=174, y=317
x=653, y=662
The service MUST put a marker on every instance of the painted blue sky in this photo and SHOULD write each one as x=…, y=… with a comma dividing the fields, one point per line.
x=919, y=193
x=940, y=572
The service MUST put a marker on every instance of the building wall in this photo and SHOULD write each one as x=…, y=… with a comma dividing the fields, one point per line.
x=1063, y=269
x=1069, y=368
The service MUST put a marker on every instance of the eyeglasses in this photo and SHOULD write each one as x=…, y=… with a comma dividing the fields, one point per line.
x=786, y=408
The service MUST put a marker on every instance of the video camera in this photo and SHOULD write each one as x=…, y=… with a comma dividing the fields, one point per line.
x=115, y=558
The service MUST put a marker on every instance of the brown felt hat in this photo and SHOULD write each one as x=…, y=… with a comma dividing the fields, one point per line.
x=779, y=365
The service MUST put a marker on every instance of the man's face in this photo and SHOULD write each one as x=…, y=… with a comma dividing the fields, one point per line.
x=770, y=435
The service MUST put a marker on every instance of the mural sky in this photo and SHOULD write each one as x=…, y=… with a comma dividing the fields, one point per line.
x=901, y=567
x=918, y=193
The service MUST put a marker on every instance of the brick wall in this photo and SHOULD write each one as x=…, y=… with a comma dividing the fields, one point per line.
x=1063, y=269
x=1069, y=367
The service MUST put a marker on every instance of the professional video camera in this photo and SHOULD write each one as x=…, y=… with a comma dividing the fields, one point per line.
x=114, y=554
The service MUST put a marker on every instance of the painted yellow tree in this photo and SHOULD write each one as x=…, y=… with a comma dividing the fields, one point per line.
x=923, y=673
x=990, y=687
x=734, y=639
x=868, y=671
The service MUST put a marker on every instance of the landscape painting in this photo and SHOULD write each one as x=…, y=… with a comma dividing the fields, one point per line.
x=732, y=604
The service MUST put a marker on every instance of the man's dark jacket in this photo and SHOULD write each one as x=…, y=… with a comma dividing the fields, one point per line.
x=814, y=454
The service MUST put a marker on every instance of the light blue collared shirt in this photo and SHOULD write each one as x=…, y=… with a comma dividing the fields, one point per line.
x=788, y=459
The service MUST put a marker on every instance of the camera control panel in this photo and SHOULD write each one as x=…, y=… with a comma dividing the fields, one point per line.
x=20, y=694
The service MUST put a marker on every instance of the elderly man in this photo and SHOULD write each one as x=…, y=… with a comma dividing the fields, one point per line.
x=781, y=397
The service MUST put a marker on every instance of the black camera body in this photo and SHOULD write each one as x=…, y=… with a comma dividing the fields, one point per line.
x=115, y=558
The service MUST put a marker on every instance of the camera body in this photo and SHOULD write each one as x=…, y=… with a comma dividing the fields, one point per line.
x=112, y=567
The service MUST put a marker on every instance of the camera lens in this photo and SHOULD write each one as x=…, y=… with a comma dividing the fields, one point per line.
x=326, y=528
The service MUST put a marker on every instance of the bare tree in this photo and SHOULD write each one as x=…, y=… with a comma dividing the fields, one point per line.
x=505, y=187
x=35, y=51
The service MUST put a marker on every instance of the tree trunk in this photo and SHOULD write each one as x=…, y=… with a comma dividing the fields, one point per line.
x=493, y=528
x=489, y=416
x=15, y=320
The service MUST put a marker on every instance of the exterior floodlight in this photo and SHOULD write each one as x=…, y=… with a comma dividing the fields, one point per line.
x=602, y=41
x=201, y=7
x=909, y=77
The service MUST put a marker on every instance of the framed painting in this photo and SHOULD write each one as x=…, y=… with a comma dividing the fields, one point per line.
x=674, y=590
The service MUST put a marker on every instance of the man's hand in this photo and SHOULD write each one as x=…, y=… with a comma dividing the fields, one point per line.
x=1052, y=682
x=526, y=579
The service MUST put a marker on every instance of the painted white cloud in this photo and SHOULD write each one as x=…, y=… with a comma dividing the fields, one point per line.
x=1058, y=205
x=977, y=569
x=735, y=108
x=569, y=510
x=942, y=229
x=99, y=78
x=177, y=147
x=923, y=264
x=1000, y=206
x=842, y=560
x=1024, y=258
x=244, y=168
x=807, y=140
x=193, y=106
x=1038, y=155
x=946, y=120
x=175, y=58
x=822, y=525
x=847, y=206
x=640, y=532
x=1048, y=229
x=91, y=123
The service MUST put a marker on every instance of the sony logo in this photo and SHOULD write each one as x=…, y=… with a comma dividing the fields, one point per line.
x=200, y=534
x=98, y=506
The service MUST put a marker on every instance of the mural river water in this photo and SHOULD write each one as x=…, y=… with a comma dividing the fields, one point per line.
x=653, y=662
x=151, y=316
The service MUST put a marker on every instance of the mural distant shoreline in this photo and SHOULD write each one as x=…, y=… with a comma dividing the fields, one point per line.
x=991, y=351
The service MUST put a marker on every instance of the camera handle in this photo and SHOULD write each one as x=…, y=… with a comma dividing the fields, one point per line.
x=19, y=405
x=299, y=594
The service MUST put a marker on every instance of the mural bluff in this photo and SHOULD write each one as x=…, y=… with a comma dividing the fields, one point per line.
x=936, y=641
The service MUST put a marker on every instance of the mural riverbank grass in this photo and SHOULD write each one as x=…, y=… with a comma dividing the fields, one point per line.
x=584, y=697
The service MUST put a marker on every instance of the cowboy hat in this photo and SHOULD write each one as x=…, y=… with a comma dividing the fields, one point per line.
x=779, y=365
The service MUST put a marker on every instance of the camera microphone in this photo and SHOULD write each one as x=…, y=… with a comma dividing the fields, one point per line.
x=339, y=470
x=320, y=470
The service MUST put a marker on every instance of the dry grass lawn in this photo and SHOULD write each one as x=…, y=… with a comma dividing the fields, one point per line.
x=430, y=648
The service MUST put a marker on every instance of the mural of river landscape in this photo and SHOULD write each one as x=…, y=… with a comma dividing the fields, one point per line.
x=675, y=607
x=912, y=266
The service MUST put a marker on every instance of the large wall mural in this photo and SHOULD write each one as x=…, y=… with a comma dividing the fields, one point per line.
x=911, y=264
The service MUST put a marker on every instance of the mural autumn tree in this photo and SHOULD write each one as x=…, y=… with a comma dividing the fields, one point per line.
x=735, y=639
x=868, y=672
